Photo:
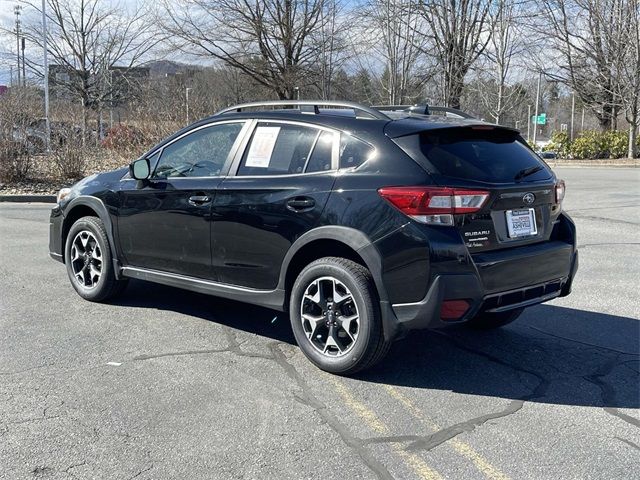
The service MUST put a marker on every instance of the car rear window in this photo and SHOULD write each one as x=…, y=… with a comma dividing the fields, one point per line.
x=487, y=155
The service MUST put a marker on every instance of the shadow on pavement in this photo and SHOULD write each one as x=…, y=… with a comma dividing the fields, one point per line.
x=550, y=355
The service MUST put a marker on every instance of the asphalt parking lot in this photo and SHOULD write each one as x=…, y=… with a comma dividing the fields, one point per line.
x=165, y=383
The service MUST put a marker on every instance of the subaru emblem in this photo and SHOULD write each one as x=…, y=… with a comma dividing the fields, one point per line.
x=528, y=198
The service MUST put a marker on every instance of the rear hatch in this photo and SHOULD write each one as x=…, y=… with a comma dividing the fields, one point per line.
x=521, y=203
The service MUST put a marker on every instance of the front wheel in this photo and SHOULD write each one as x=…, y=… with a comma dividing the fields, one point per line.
x=88, y=261
x=335, y=316
x=489, y=321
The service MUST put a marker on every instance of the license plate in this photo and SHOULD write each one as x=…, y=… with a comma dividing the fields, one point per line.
x=521, y=223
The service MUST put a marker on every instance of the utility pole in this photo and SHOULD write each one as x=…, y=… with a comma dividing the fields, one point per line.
x=24, y=72
x=535, y=123
x=573, y=111
x=46, y=79
x=529, y=124
x=16, y=10
x=187, y=95
x=582, y=123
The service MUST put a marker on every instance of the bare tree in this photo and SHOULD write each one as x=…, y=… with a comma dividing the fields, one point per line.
x=460, y=31
x=390, y=36
x=278, y=43
x=508, y=43
x=590, y=38
x=628, y=76
x=86, y=39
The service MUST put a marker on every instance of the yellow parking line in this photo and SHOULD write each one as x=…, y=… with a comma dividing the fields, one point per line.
x=458, y=445
x=417, y=464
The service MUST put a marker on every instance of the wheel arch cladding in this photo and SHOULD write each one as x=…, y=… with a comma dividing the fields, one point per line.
x=85, y=206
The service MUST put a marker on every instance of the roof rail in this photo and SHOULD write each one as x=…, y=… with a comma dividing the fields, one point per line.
x=422, y=110
x=309, y=106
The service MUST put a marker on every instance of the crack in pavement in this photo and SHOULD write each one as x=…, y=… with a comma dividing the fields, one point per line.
x=308, y=398
x=604, y=219
x=232, y=347
x=71, y=467
x=141, y=472
x=580, y=342
x=608, y=393
x=429, y=442
x=628, y=442
x=17, y=372
x=597, y=378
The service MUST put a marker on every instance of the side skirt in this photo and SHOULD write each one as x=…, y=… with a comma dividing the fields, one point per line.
x=273, y=299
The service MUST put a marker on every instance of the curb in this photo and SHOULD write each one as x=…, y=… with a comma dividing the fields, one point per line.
x=28, y=198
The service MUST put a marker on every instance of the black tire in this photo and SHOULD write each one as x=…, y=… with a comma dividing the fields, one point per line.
x=106, y=285
x=369, y=346
x=489, y=321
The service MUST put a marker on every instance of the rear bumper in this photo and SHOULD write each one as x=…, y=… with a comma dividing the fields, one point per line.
x=504, y=281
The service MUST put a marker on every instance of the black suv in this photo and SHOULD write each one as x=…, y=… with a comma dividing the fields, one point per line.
x=363, y=223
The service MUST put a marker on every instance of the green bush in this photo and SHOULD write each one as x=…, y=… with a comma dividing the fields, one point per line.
x=617, y=143
x=560, y=144
x=592, y=144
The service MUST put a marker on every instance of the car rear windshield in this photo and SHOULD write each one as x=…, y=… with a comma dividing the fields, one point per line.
x=491, y=155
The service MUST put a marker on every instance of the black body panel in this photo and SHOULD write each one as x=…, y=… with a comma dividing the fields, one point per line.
x=161, y=229
x=246, y=241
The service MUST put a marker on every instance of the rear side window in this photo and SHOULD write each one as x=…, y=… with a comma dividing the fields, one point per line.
x=353, y=152
x=493, y=156
x=281, y=149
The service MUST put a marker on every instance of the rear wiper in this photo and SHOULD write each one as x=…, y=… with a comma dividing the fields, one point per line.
x=527, y=171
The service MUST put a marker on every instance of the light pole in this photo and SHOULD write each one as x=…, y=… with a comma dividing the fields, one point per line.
x=187, y=98
x=573, y=111
x=47, y=127
x=529, y=124
x=535, y=123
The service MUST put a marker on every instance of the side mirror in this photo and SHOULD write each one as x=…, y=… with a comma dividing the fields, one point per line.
x=140, y=169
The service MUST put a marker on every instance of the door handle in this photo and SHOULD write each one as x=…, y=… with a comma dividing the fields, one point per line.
x=301, y=204
x=199, y=200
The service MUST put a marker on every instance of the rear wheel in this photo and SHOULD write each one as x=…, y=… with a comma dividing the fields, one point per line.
x=335, y=316
x=88, y=261
x=489, y=321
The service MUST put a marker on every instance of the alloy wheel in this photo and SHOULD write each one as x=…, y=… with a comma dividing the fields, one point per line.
x=330, y=317
x=86, y=259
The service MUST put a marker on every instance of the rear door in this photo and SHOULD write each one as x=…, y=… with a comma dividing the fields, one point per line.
x=521, y=207
x=281, y=184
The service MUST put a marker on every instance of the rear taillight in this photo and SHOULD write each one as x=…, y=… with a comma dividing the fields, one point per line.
x=434, y=205
x=560, y=189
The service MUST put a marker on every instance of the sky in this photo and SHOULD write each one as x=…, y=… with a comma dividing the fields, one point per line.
x=8, y=39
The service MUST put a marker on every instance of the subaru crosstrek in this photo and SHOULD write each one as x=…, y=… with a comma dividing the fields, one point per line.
x=362, y=223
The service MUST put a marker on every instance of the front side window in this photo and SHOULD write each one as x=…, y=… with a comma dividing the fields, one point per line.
x=202, y=153
x=281, y=149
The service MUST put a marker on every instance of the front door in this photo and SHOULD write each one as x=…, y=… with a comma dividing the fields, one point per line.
x=165, y=224
x=279, y=190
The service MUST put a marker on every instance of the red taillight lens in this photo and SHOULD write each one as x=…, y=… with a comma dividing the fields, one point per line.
x=560, y=189
x=453, y=309
x=434, y=205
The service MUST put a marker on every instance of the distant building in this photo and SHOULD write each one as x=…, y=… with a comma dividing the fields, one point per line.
x=121, y=83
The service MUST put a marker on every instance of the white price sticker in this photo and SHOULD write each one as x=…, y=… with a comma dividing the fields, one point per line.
x=264, y=139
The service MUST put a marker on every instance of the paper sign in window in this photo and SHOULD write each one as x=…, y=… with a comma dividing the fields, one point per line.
x=264, y=140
